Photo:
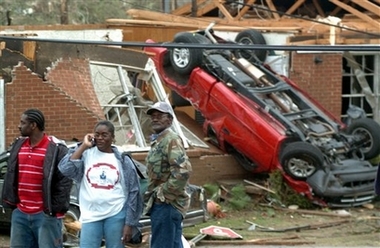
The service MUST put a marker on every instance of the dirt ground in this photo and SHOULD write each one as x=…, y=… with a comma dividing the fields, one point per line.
x=266, y=225
x=263, y=225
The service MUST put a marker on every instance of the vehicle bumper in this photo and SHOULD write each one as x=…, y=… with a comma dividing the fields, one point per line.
x=345, y=185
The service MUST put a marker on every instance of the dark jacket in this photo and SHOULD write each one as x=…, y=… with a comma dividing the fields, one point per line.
x=56, y=187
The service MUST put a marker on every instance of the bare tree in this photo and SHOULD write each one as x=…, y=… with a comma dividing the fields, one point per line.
x=64, y=12
x=36, y=12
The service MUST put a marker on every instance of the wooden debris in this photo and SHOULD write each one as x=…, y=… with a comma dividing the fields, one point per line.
x=307, y=30
x=253, y=190
x=369, y=218
x=287, y=240
x=305, y=227
x=313, y=212
x=259, y=186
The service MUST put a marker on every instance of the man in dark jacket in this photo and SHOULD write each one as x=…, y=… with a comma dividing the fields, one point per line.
x=34, y=187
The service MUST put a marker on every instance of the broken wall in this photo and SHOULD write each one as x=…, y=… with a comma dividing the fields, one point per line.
x=73, y=76
x=68, y=113
x=66, y=117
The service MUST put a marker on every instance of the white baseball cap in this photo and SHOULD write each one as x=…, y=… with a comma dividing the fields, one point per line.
x=162, y=107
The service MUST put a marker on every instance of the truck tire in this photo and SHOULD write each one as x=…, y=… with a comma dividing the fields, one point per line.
x=184, y=60
x=300, y=160
x=249, y=37
x=369, y=132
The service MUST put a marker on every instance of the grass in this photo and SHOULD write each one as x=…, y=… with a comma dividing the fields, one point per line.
x=237, y=220
x=356, y=232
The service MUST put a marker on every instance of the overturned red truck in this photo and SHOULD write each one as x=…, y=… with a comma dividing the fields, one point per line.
x=267, y=122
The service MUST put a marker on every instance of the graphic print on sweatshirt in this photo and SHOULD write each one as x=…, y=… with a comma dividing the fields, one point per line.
x=101, y=193
x=102, y=170
x=102, y=176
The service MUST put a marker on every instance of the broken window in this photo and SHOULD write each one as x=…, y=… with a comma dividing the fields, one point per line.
x=125, y=93
x=361, y=83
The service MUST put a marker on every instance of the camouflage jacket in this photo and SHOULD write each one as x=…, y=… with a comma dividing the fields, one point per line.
x=168, y=169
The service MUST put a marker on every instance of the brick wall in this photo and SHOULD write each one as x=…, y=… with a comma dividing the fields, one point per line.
x=323, y=81
x=66, y=118
x=73, y=76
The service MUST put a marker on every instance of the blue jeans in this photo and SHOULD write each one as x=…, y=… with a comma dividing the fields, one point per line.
x=166, y=226
x=35, y=230
x=111, y=229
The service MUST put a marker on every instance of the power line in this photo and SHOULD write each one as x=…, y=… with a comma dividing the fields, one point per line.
x=232, y=46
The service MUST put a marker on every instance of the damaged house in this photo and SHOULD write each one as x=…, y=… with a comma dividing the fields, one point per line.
x=77, y=84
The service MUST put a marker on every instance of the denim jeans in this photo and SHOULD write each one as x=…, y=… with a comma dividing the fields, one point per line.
x=35, y=230
x=111, y=229
x=166, y=226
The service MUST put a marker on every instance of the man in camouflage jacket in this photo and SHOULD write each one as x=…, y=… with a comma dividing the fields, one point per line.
x=168, y=169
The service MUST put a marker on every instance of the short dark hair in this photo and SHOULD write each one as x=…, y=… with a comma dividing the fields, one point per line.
x=36, y=116
x=108, y=124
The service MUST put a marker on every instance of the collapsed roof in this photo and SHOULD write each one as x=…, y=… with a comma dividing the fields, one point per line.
x=310, y=21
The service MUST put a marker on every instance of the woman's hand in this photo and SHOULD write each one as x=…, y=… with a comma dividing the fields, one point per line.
x=127, y=234
x=88, y=140
x=87, y=143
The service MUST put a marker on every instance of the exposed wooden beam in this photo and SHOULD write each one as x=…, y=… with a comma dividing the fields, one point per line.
x=132, y=22
x=244, y=9
x=206, y=8
x=371, y=7
x=252, y=23
x=293, y=25
x=152, y=15
x=294, y=7
x=193, y=25
x=319, y=8
x=337, y=9
x=357, y=13
x=273, y=8
x=219, y=4
x=186, y=8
